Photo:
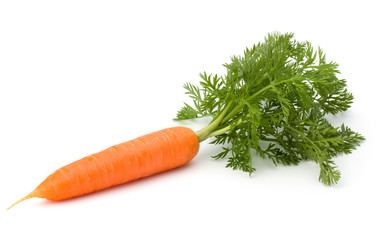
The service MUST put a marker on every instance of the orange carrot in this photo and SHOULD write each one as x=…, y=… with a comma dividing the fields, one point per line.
x=144, y=156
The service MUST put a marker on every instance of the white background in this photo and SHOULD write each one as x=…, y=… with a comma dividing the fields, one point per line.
x=79, y=76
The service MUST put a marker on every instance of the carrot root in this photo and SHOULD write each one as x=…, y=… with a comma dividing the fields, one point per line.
x=22, y=199
x=141, y=157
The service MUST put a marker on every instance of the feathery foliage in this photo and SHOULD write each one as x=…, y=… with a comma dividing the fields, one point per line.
x=274, y=99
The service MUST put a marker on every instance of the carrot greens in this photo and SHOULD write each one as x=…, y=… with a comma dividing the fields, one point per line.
x=275, y=99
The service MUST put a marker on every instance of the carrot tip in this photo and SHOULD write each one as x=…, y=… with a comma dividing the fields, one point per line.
x=22, y=199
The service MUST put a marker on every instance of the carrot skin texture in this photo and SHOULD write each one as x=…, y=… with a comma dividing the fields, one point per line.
x=141, y=157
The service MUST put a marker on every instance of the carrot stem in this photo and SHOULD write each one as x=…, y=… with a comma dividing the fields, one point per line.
x=205, y=132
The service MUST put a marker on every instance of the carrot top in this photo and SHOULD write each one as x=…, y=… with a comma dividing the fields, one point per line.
x=274, y=99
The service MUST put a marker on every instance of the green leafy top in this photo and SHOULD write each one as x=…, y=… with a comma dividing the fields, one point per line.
x=274, y=99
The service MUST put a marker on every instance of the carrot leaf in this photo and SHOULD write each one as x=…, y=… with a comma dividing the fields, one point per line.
x=274, y=100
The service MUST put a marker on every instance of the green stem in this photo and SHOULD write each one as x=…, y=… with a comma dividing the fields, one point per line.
x=225, y=114
x=272, y=84
x=204, y=133
x=232, y=113
x=318, y=151
x=223, y=130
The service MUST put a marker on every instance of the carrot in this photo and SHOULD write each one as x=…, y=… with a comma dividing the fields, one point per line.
x=274, y=99
x=144, y=156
